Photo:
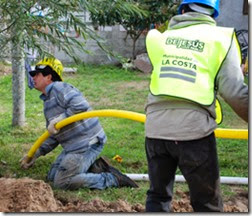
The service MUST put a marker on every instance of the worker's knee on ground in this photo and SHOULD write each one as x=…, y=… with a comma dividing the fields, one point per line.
x=58, y=185
x=69, y=183
x=61, y=183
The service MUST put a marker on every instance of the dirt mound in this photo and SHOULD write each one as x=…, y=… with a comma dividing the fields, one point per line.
x=28, y=195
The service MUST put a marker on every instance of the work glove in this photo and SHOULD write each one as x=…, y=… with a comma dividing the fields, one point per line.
x=27, y=162
x=51, y=127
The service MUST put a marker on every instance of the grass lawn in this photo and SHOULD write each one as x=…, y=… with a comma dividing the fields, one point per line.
x=105, y=87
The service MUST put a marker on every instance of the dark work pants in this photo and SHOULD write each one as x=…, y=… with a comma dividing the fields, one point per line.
x=197, y=161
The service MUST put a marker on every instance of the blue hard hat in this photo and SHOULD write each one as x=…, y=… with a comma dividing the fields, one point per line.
x=212, y=3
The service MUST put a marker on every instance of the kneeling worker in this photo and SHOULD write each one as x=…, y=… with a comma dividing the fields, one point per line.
x=82, y=141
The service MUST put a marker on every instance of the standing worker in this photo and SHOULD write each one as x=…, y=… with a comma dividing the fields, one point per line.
x=82, y=141
x=192, y=61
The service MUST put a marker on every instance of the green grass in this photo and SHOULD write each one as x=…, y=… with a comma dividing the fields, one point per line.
x=105, y=87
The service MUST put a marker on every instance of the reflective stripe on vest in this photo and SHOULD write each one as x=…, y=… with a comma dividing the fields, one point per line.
x=186, y=61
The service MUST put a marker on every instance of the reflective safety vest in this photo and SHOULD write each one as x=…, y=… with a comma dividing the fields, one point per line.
x=186, y=61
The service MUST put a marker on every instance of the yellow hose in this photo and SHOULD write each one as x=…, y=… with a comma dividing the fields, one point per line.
x=95, y=113
x=231, y=133
x=219, y=133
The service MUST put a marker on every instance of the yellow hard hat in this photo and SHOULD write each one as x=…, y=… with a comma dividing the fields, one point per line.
x=53, y=63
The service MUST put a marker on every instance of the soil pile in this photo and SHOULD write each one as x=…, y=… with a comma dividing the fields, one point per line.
x=28, y=195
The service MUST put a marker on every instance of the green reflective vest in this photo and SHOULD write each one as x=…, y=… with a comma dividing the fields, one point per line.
x=186, y=61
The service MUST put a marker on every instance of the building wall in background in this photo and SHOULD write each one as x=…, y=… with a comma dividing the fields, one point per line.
x=231, y=15
x=116, y=41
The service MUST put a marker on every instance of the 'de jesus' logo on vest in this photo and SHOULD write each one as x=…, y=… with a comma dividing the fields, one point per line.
x=195, y=45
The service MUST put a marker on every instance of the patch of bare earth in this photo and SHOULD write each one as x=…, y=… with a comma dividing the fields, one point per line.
x=28, y=195
x=5, y=70
x=238, y=203
x=135, y=85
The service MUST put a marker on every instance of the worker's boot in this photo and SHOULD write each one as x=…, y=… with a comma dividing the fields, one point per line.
x=100, y=165
x=123, y=180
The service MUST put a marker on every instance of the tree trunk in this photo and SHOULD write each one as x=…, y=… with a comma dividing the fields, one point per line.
x=135, y=37
x=134, y=49
x=18, y=85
